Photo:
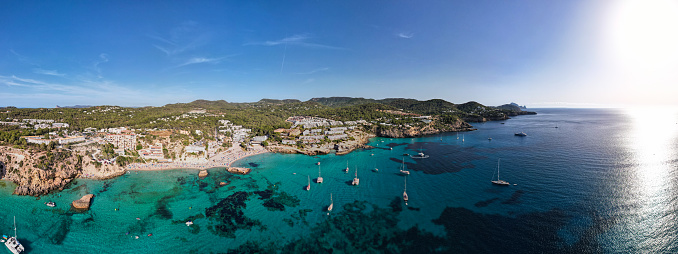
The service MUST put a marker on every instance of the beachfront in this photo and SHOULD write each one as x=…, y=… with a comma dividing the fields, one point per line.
x=223, y=159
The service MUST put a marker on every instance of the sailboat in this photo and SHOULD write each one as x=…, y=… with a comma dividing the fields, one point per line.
x=498, y=181
x=320, y=178
x=402, y=169
x=13, y=244
x=375, y=168
x=329, y=208
x=462, y=137
x=308, y=187
x=405, y=192
x=457, y=135
x=346, y=170
x=356, y=181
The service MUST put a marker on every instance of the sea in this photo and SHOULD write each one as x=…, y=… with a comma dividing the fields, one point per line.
x=581, y=181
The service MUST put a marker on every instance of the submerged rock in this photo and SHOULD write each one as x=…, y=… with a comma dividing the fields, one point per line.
x=83, y=203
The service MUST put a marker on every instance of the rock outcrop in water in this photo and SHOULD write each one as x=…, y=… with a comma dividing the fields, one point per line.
x=203, y=173
x=83, y=203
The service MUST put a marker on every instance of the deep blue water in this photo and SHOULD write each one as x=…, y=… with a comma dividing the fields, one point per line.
x=603, y=181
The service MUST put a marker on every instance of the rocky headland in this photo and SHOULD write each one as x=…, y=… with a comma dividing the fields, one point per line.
x=359, y=139
x=434, y=127
x=41, y=172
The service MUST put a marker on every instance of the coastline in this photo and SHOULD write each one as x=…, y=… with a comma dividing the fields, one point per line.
x=221, y=160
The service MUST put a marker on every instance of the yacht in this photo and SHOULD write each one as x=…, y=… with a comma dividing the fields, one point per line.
x=329, y=208
x=50, y=204
x=320, y=178
x=498, y=181
x=521, y=134
x=356, y=181
x=402, y=169
x=419, y=155
x=405, y=198
x=13, y=244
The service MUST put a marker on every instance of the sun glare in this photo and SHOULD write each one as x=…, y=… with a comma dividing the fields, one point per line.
x=651, y=140
x=644, y=34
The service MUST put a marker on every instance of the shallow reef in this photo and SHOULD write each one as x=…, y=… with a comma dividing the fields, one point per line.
x=228, y=215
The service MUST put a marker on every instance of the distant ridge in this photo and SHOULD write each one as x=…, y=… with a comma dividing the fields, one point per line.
x=76, y=106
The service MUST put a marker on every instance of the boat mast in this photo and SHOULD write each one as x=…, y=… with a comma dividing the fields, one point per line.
x=498, y=169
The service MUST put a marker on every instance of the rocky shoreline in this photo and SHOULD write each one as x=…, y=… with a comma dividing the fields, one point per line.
x=344, y=147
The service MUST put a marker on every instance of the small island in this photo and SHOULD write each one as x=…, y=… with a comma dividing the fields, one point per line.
x=43, y=149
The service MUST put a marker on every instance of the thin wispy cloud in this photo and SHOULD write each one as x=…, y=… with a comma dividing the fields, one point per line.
x=22, y=58
x=294, y=40
x=48, y=72
x=199, y=60
x=313, y=71
x=184, y=37
x=84, y=89
x=103, y=58
x=405, y=35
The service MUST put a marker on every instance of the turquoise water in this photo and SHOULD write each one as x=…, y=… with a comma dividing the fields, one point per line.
x=600, y=182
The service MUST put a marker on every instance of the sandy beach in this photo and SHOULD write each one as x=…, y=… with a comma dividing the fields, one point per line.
x=223, y=159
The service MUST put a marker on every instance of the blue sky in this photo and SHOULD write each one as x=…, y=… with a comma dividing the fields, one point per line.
x=138, y=53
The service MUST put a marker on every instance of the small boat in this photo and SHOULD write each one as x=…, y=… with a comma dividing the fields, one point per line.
x=13, y=243
x=50, y=204
x=189, y=223
x=489, y=139
x=405, y=198
x=498, y=181
x=419, y=155
x=402, y=169
x=406, y=154
x=136, y=237
x=317, y=163
x=503, y=123
x=521, y=134
x=308, y=187
x=329, y=208
x=356, y=181
x=150, y=234
x=390, y=148
x=320, y=178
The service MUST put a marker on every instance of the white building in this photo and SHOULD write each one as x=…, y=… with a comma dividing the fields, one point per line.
x=194, y=149
x=337, y=137
x=259, y=138
x=71, y=139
